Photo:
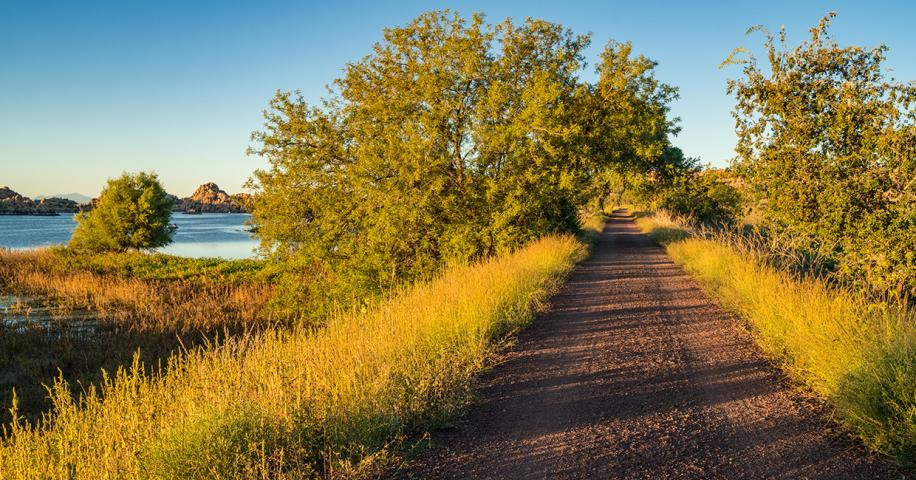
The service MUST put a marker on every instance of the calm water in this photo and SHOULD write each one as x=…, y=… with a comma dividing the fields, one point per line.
x=205, y=235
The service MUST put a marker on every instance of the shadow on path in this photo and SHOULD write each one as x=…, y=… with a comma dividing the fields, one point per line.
x=635, y=373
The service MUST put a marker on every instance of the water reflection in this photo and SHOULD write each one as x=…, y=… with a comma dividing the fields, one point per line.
x=23, y=313
x=228, y=250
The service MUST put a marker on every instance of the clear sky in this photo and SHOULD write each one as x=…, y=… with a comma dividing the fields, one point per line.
x=91, y=89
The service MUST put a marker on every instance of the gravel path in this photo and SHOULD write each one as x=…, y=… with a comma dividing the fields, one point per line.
x=636, y=373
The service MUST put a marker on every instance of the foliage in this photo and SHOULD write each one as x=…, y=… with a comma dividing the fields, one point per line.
x=628, y=127
x=703, y=197
x=133, y=212
x=453, y=140
x=302, y=403
x=856, y=353
x=830, y=142
x=681, y=186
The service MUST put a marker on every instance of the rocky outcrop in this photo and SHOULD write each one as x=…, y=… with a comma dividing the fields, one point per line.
x=12, y=203
x=208, y=198
x=57, y=205
x=8, y=195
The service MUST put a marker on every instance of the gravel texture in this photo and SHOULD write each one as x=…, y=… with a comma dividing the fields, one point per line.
x=635, y=373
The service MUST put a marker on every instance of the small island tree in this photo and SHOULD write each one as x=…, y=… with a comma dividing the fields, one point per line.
x=133, y=212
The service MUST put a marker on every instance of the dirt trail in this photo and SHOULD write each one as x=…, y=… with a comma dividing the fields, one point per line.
x=635, y=373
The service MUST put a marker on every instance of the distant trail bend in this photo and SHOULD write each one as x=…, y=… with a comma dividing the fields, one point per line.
x=635, y=373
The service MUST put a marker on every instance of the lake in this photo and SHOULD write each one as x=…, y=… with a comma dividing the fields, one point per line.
x=206, y=235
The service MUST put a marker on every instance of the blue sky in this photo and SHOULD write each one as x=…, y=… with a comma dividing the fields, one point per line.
x=91, y=89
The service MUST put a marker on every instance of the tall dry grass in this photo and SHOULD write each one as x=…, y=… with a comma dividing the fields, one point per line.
x=857, y=353
x=131, y=301
x=83, y=313
x=291, y=404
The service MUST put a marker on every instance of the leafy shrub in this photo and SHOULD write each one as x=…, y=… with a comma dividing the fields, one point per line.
x=703, y=197
x=133, y=212
x=683, y=188
x=830, y=142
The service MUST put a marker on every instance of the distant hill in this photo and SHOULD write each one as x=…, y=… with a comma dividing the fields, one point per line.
x=76, y=197
x=12, y=203
x=208, y=198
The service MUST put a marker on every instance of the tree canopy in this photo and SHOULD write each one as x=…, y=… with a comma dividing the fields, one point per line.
x=830, y=142
x=454, y=139
x=133, y=212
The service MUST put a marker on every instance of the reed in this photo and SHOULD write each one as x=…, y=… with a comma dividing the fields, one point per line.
x=79, y=313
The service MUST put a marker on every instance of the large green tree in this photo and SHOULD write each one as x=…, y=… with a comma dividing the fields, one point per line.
x=133, y=212
x=629, y=127
x=454, y=139
x=830, y=141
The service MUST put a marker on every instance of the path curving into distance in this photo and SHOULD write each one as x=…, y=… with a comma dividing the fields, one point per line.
x=635, y=373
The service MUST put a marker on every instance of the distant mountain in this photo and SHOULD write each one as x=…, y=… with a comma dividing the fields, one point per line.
x=76, y=197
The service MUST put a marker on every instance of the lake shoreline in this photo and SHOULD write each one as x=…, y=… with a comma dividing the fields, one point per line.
x=199, y=235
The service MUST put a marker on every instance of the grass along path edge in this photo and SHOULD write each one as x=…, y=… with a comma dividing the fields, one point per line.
x=858, y=355
x=335, y=402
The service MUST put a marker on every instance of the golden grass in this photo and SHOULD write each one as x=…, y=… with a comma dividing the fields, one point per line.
x=858, y=354
x=288, y=404
x=592, y=226
x=84, y=312
x=173, y=305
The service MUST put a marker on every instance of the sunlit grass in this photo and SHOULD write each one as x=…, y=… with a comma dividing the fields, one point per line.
x=592, y=226
x=858, y=354
x=77, y=313
x=287, y=404
x=139, y=265
x=142, y=291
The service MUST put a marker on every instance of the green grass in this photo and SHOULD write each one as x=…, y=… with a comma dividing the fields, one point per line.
x=335, y=402
x=859, y=355
x=149, y=266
